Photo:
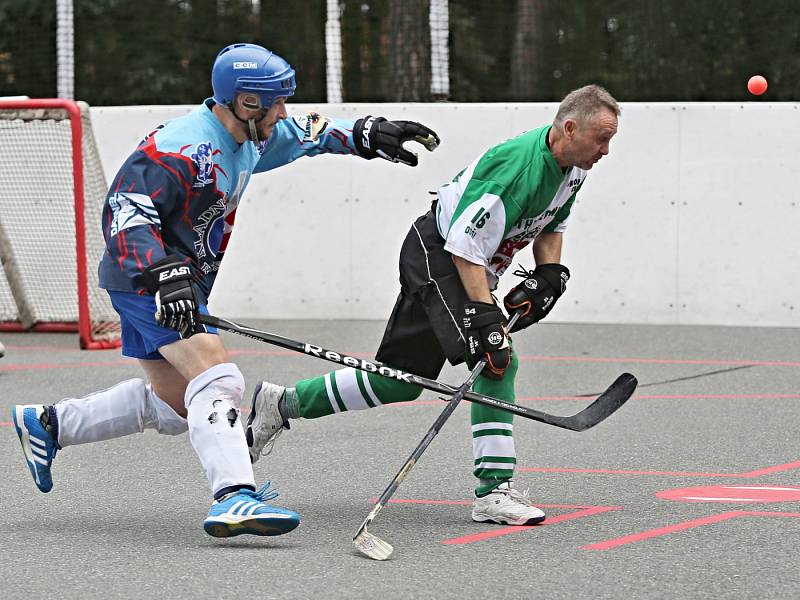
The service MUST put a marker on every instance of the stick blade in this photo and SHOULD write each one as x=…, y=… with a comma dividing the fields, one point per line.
x=606, y=403
x=372, y=546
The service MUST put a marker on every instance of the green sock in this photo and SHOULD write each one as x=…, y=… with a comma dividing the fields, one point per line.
x=289, y=404
x=486, y=486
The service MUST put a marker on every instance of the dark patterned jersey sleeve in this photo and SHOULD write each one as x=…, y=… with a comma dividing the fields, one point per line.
x=143, y=213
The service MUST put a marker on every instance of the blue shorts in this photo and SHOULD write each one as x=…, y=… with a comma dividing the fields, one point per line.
x=141, y=335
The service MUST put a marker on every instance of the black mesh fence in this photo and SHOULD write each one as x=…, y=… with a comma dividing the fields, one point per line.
x=161, y=51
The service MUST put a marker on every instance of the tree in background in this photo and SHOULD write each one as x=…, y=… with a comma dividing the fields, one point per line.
x=27, y=51
x=534, y=51
x=161, y=51
x=409, y=50
x=364, y=24
x=299, y=37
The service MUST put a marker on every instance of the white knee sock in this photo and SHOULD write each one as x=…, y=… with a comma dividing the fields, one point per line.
x=215, y=430
x=126, y=408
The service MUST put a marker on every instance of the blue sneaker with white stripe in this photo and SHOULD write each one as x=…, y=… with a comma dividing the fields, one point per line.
x=245, y=512
x=38, y=444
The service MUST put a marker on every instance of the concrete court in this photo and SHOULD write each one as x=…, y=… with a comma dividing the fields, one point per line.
x=717, y=409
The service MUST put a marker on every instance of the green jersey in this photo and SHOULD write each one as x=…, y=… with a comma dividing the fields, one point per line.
x=504, y=199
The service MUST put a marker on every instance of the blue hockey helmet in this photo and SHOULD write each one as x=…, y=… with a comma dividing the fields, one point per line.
x=249, y=68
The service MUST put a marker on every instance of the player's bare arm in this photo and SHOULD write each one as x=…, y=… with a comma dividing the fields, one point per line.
x=473, y=276
x=547, y=247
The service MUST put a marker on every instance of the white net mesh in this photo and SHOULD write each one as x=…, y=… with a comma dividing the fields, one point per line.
x=37, y=222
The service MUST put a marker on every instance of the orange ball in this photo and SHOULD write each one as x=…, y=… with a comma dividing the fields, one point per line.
x=757, y=85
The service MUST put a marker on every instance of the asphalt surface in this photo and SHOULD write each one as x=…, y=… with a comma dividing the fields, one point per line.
x=717, y=408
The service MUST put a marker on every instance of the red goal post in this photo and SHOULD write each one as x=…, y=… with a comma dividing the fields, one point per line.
x=52, y=191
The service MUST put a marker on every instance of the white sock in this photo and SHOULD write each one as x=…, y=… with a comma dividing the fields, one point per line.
x=215, y=430
x=126, y=408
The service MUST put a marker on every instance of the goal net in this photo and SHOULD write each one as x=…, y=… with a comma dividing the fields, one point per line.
x=52, y=190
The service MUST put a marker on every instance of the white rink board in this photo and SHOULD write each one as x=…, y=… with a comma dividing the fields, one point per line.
x=689, y=220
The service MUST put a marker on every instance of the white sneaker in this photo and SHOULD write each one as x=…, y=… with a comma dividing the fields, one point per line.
x=265, y=422
x=507, y=506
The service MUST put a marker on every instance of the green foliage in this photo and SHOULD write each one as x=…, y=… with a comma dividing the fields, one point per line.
x=27, y=48
x=161, y=51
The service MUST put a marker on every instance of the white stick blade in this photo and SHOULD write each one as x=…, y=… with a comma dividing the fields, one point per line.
x=372, y=546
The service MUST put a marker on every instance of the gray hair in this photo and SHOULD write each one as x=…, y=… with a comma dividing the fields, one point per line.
x=582, y=104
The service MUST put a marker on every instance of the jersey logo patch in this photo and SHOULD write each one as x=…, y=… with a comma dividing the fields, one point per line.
x=209, y=229
x=312, y=125
x=205, y=165
x=129, y=210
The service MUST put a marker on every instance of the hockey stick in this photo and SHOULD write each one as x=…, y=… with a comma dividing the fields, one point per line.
x=606, y=403
x=371, y=545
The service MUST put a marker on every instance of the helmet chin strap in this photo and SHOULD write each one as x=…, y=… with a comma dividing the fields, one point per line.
x=251, y=124
x=253, y=132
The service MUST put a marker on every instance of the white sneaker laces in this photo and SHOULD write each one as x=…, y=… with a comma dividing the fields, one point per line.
x=271, y=441
x=518, y=496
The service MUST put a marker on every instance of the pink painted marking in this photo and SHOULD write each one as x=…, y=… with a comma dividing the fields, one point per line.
x=662, y=361
x=79, y=365
x=624, y=472
x=733, y=493
x=43, y=348
x=469, y=502
x=749, y=474
x=638, y=537
x=717, y=396
x=261, y=353
x=674, y=397
x=6, y=423
x=775, y=469
x=493, y=533
x=636, y=397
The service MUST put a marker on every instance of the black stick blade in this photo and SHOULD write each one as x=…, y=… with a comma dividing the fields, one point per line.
x=606, y=403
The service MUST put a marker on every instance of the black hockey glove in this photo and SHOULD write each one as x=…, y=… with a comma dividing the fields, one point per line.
x=375, y=136
x=170, y=280
x=486, y=336
x=535, y=297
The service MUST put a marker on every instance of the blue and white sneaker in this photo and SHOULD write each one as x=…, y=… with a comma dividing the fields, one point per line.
x=245, y=512
x=38, y=444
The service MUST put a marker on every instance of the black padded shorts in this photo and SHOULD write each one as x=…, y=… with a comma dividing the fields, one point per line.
x=425, y=327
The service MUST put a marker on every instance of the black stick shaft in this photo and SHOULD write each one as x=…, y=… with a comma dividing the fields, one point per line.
x=614, y=397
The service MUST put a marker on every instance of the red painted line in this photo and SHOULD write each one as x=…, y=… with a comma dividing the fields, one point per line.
x=469, y=502
x=675, y=397
x=749, y=474
x=776, y=469
x=625, y=472
x=638, y=537
x=80, y=365
x=636, y=397
x=770, y=513
x=43, y=348
x=6, y=423
x=409, y=501
x=261, y=353
x=715, y=396
x=493, y=533
x=526, y=357
x=732, y=493
x=662, y=361
x=644, y=535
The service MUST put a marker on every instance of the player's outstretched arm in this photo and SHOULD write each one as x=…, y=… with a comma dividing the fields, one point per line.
x=379, y=137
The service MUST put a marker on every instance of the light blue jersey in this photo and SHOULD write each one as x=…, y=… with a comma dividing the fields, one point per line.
x=179, y=190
